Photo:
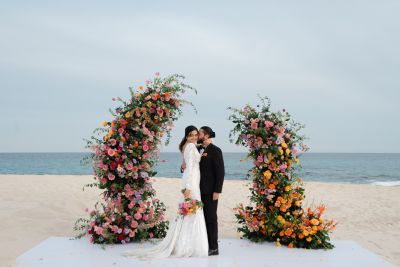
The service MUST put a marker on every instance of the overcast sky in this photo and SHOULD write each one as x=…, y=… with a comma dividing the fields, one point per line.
x=333, y=64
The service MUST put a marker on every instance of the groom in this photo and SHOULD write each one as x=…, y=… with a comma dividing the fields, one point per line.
x=212, y=173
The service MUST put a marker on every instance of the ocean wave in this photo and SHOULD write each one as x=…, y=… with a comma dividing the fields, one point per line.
x=387, y=183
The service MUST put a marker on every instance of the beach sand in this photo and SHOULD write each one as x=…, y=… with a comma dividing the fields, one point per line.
x=35, y=207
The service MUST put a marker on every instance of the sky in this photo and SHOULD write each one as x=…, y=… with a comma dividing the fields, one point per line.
x=334, y=65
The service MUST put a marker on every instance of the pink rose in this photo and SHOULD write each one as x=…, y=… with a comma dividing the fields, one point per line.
x=134, y=224
x=137, y=216
x=145, y=147
x=111, y=152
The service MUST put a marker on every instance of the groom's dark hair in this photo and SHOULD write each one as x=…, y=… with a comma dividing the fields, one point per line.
x=209, y=131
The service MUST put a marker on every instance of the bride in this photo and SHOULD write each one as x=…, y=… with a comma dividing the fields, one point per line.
x=186, y=236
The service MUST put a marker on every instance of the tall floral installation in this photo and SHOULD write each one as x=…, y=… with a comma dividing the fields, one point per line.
x=275, y=212
x=122, y=162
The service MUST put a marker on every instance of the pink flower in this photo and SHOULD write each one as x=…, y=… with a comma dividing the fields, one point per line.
x=113, y=142
x=129, y=166
x=283, y=167
x=268, y=124
x=98, y=230
x=287, y=136
x=111, y=152
x=160, y=111
x=145, y=147
x=134, y=224
x=145, y=217
x=157, y=73
x=254, y=123
x=131, y=205
x=151, y=235
x=111, y=176
x=137, y=216
x=113, y=99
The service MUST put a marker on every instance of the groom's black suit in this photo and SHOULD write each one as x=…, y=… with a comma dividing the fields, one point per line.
x=212, y=172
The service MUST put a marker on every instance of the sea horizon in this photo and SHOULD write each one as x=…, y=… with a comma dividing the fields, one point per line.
x=376, y=168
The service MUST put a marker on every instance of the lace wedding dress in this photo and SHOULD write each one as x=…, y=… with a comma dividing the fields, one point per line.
x=186, y=236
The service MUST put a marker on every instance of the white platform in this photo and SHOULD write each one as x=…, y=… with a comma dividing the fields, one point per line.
x=64, y=252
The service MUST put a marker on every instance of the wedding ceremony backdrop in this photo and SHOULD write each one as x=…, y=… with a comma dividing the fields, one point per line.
x=125, y=150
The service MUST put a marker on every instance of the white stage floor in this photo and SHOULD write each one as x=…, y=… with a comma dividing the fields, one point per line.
x=64, y=252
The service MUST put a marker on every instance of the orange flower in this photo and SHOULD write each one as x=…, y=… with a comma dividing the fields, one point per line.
x=271, y=186
x=321, y=209
x=290, y=245
x=204, y=155
x=288, y=231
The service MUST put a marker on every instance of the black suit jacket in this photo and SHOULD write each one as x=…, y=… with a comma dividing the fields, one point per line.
x=212, y=170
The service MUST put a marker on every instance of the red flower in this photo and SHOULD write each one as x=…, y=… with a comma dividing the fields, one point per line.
x=121, y=237
x=113, y=165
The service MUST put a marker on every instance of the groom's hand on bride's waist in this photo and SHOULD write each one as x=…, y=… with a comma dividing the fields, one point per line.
x=183, y=167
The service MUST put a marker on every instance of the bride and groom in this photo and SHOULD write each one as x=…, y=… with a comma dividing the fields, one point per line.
x=194, y=235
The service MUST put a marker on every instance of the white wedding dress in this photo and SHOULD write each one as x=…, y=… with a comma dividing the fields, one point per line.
x=186, y=236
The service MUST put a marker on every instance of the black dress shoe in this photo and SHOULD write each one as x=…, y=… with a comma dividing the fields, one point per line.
x=213, y=252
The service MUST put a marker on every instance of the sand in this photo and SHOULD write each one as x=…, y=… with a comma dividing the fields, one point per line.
x=34, y=207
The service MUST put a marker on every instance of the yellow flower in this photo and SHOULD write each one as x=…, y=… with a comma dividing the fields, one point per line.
x=305, y=233
x=138, y=94
x=287, y=151
x=141, y=87
x=284, y=145
x=280, y=150
x=287, y=188
x=267, y=174
x=296, y=160
x=309, y=239
x=104, y=123
x=127, y=115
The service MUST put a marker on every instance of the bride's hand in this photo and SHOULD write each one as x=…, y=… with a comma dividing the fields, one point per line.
x=187, y=193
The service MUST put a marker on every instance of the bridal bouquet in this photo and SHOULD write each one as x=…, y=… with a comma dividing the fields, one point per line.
x=189, y=206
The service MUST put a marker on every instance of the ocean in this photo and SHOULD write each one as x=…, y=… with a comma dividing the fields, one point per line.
x=358, y=168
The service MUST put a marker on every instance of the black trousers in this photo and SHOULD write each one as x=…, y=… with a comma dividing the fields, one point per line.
x=210, y=215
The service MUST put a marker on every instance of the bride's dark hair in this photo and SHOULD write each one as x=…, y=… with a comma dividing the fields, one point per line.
x=188, y=130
